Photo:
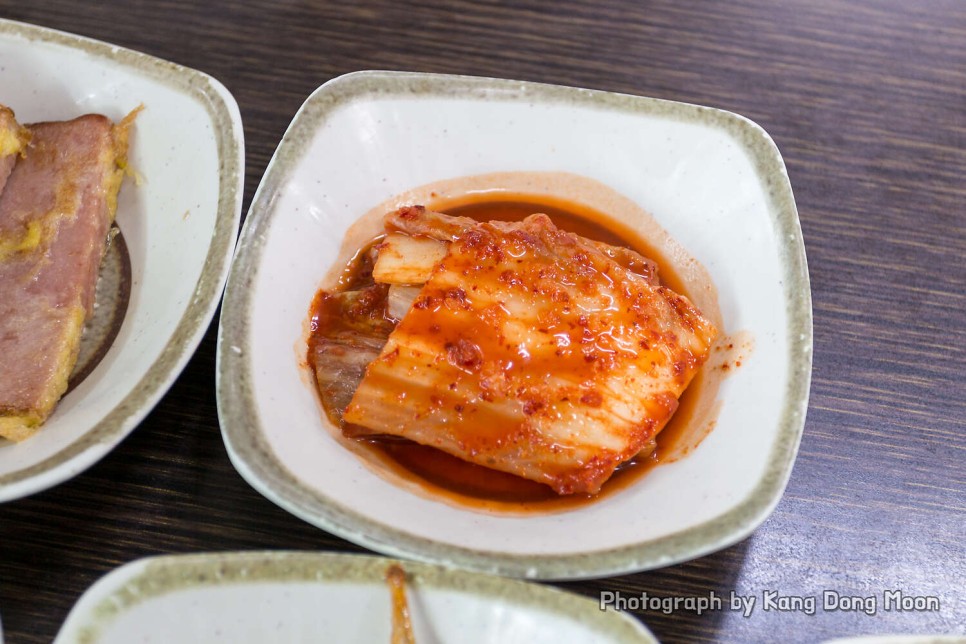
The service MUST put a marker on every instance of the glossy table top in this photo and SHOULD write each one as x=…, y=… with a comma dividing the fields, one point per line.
x=867, y=102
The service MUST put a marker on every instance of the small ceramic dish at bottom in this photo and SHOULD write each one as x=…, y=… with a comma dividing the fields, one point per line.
x=311, y=597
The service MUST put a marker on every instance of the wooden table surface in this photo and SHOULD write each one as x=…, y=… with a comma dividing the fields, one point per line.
x=867, y=102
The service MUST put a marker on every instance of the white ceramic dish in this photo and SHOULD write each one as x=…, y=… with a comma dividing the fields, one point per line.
x=179, y=224
x=713, y=179
x=303, y=597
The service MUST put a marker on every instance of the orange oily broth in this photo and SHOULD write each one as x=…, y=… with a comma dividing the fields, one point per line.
x=446, y=477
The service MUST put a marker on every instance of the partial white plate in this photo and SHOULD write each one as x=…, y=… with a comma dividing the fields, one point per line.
x=900, y=639
x=307, y=597
x=714, y=180
x=180, y=226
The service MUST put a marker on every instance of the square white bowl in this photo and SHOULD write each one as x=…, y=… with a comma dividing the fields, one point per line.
x=179, y=222
x=714, y=180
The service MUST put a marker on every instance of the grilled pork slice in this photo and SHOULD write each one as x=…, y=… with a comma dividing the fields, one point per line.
x=532, y=351
x=55, y=213
x=13, y=139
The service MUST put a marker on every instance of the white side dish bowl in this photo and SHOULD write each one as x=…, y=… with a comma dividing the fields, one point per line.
x=179, y=223
x=714, y=180
x=309, y=597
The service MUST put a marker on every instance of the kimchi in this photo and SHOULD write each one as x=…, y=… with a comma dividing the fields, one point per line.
x=516, y=346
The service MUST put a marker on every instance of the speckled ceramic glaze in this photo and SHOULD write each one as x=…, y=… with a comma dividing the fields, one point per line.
x=179, y=223
x=308, y=597
x=713, y=180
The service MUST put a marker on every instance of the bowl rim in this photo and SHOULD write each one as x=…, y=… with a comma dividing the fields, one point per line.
x=255, y=460
x=222, y=109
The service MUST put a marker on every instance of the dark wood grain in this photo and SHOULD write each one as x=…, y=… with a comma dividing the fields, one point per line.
x=866, y=100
